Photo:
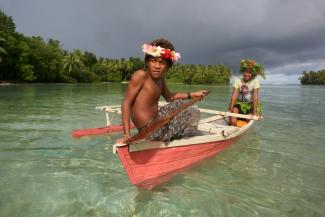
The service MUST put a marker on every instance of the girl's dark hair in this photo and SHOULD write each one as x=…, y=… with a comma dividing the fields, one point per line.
x=164, y=44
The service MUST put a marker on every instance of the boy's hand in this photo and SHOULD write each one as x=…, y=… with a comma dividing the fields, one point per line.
x=200, y=93
x=122, y=140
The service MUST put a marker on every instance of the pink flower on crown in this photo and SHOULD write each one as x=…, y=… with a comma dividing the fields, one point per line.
x=176, y=56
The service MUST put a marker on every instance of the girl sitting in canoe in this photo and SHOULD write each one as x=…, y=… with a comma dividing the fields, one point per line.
x=245, y=96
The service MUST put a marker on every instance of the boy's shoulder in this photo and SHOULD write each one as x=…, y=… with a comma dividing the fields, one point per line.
x=139, y=74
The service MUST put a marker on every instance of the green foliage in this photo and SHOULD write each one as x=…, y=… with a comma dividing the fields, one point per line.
x=32, y=59
x=137, y=63
x=72, y=64
x=7, y=24
x=28, y=72
x=89, y=59
x=2, y=50
x=102, y=69
x=199, y=74
x=10, y=65
x=46, y=57
x=312, y=77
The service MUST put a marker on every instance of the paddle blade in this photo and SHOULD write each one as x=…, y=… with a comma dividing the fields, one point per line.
x=160, y=122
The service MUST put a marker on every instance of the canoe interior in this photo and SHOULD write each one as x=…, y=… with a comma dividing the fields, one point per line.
x=208, y=131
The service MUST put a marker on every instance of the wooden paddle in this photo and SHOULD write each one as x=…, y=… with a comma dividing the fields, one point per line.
x=161, y=121
x=230, y=114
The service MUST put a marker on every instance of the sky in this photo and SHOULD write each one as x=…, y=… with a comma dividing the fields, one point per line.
x=286, y=36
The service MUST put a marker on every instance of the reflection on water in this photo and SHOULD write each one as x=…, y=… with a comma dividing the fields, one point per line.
x=275, y=170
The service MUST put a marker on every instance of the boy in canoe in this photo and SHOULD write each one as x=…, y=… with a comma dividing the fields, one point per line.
x=140, y=103
x=245, y=96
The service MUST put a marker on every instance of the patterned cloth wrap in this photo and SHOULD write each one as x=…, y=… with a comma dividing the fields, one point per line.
x=247, y=107
x=181, y=125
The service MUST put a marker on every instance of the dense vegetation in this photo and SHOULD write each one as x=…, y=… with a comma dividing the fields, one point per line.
x=32, y=59
x=312, y=77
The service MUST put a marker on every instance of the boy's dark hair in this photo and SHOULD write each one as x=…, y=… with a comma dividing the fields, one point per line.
x=164, y=44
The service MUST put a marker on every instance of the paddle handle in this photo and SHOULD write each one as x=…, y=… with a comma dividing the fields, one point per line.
x=230, y=114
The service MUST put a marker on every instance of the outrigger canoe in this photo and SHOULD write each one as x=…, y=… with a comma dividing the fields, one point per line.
x=150, y=163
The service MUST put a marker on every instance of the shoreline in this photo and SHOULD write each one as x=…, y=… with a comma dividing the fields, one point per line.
x=12, y=82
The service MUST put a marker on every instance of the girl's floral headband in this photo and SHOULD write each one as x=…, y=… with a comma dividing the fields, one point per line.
x=157, y=51
x=255, y=68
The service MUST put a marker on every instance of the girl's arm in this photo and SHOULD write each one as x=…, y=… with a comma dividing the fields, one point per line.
x=255, y=100
x=233, y=99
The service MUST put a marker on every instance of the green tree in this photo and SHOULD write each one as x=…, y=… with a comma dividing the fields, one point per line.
x=2, y=50
x=102, y=69
x=73, y=65
x=89, y=59
x=114, y=71
x=46, y=57
x=125, y=68
x=317, y=78
x=8, y=68
x=7, y=24
x=27, y=71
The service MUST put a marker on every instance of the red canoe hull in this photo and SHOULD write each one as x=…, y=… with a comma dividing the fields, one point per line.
x=149, y=168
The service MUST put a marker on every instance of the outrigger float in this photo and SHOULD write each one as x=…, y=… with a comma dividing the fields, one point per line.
x=150, y=163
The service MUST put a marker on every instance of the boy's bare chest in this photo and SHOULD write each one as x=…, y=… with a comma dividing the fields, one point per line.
x=152, y=88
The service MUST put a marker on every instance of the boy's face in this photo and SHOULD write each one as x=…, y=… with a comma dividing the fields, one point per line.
x=157, y=66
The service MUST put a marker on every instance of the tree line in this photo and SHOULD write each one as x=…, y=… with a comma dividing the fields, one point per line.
x=312, y=77
x=33, y=59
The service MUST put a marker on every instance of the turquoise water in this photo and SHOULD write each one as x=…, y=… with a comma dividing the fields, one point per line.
x=278, y=169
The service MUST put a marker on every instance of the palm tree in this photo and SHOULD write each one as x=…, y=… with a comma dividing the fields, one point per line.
x=72, y=63
x=106, y=69
x=2, y=50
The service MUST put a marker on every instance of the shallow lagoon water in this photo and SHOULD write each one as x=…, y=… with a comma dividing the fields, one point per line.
x=278, y=169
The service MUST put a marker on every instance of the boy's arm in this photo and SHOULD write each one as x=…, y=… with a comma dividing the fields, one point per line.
x=233, y=99
x=179, y=95
x=135, y=84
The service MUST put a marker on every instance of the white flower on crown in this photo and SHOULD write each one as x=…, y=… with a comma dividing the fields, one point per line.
x=152, y=50
x=157, y=51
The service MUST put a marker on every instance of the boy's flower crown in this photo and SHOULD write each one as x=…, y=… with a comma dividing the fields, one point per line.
x=157, y=51
x=255, y=68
